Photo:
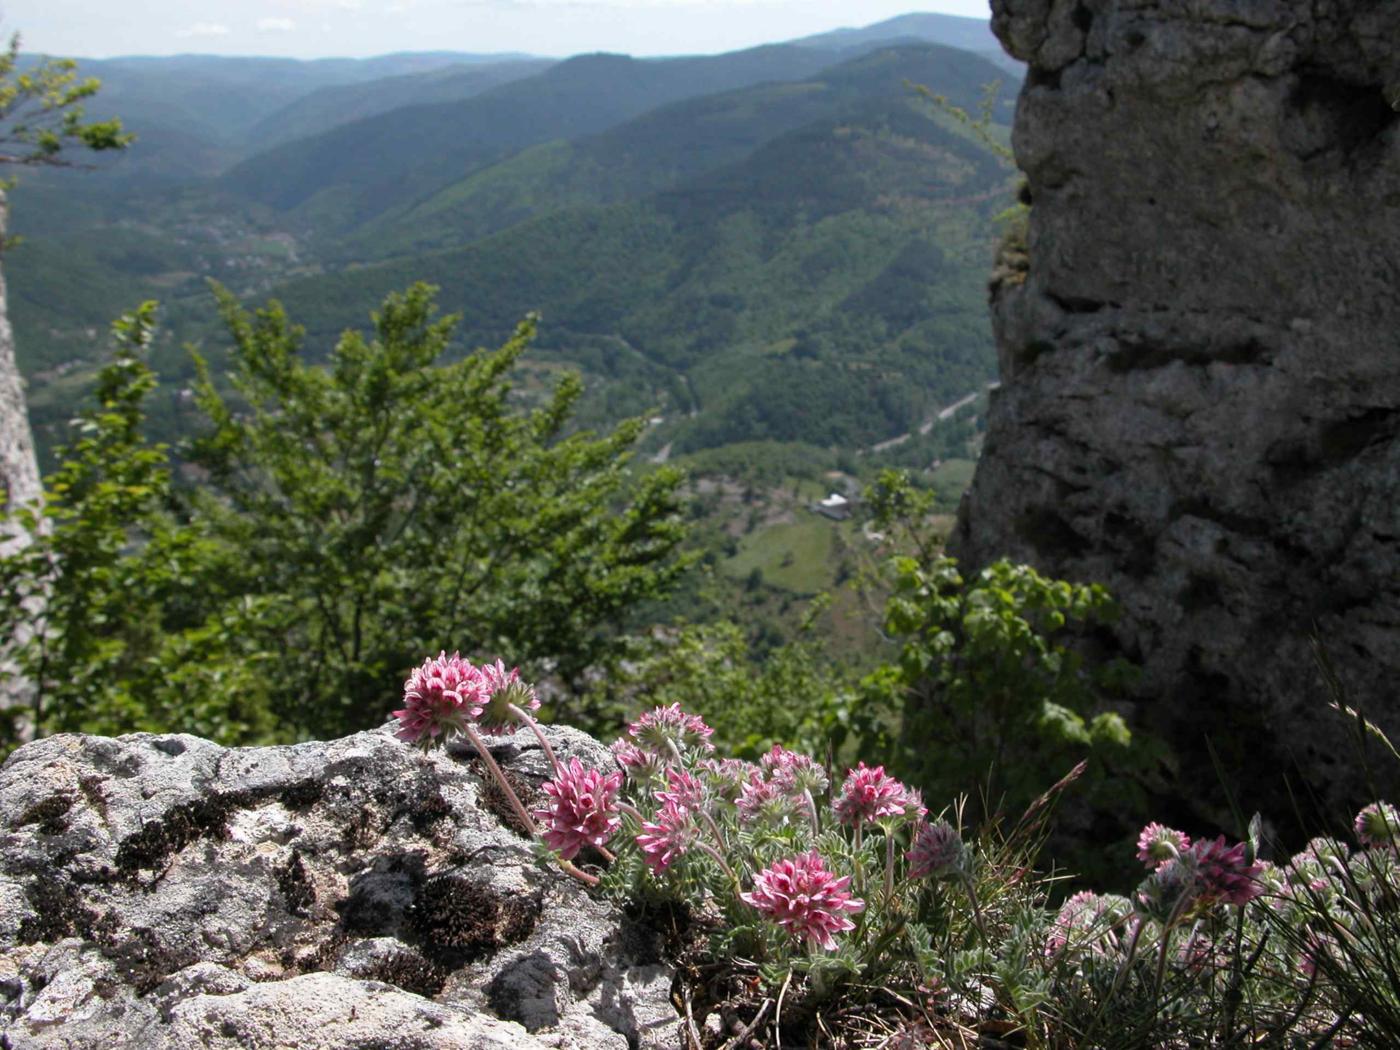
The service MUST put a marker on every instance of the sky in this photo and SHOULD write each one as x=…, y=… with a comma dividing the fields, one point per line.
x=357, y=28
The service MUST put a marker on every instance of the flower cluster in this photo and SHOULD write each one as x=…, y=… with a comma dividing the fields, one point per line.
x=1224, y=873
x=664, y=731
x=766, y=834
x=1378, y=825
x=788, y=866
x=582, y=809
x=938, y=852
x=448, y=695
x=1159, y=844
x=802, y=897
x=869, y=794
x=667, y=836
x=440, y=699
x=1187, y=876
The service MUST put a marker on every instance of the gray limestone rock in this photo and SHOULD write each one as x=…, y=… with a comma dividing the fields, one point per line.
x=1201, y=370
x=163, y=892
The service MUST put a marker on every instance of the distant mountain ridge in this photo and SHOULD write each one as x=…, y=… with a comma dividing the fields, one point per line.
x=785, y=242
x=967, y=34
x=658, y=149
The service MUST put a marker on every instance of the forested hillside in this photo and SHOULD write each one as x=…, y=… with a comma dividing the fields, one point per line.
x=783, y=243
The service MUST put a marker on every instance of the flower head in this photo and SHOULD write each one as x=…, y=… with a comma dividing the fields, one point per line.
x=938, y=852
x=439, y=699
x=636, y=763
x=1378, y=825
x=808, y=901
x=682, y=789
x=1158, y=844
x=763, y=800
x=727, y=776
x=1167, y=893
x=667, y=837
x=1087, y=920
x=793, y=772
x=502, y=690
x=662, y=728
x=869, y=794
x=582, y=809
x=1224, y=873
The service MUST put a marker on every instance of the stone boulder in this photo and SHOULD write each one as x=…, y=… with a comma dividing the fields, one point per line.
x=1200, y=394
x=163, y=892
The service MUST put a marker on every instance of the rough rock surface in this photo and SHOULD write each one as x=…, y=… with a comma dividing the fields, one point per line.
x=19, y=468
x=1201, y=370
x=162, y=892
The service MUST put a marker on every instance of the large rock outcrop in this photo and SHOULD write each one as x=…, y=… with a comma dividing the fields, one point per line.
x=1201, y=369
x=163, y=893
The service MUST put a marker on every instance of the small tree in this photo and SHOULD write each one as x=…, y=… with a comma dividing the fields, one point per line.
x=356, y=516
x=116, y=603
x=991, y=689
x=391, y=504
x=41, y=114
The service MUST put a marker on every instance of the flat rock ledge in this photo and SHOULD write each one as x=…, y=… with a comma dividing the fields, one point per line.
x=163, y=892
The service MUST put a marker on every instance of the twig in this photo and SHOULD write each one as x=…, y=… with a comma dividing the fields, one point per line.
x=749, y=1029
x=692, y=1033
x=778, y=1013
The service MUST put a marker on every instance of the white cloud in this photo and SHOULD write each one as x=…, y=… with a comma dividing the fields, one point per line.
x=203, y=29
x=323, y=5
x=276, y=25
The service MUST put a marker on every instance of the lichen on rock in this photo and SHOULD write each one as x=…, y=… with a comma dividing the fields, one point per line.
x=165, y=892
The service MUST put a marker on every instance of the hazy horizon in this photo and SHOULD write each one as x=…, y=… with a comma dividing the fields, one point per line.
x=310, y=29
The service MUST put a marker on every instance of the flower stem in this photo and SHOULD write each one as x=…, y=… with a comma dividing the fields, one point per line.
x=523, y=716
x=515, y=804
x=971, y=889
x=518, y=807
x=889, y=867
x=705, y=847
x=675, y=753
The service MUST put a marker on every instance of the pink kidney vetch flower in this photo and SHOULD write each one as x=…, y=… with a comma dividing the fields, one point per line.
x=937, y=852
x=1375, y=871
x=763, y=801
x=1378, y=825
x=1090, y=920
x=1167, y=893
x=662, y=728
x=440, y=699
x=869, y=794
x=1224, y=873
x=793, y=772
x=667, y=836
x=727, y=776
x=805, y=899
x=582, y=809
x=683, y=789
x=503, y=688
x=914, y=807
x=636, y=763
x=1158, y=844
